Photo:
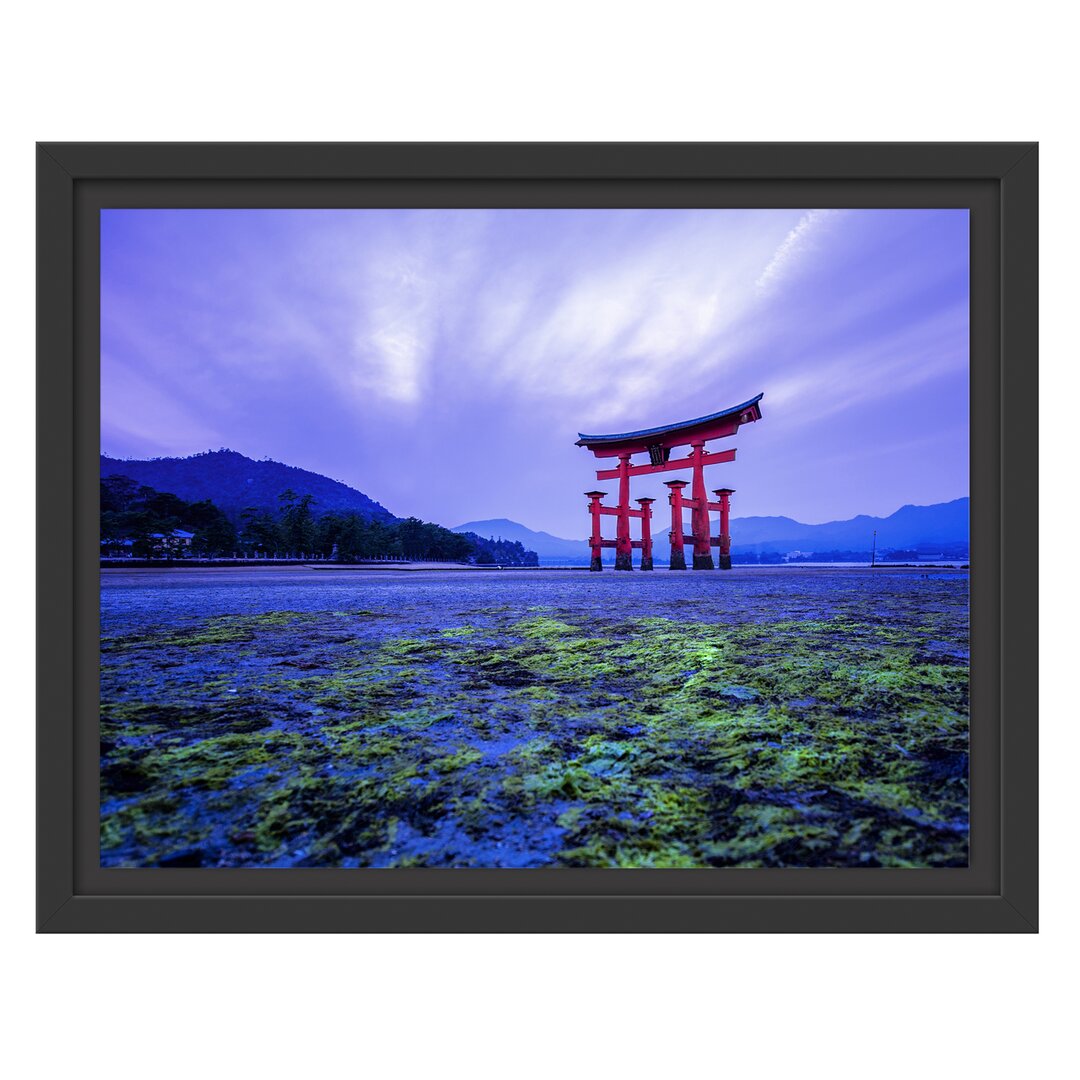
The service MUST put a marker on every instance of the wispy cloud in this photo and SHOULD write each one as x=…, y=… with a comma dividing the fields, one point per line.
x=140, y=410
x=799, y=242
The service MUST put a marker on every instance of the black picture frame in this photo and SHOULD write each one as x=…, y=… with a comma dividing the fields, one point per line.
x=996, y=892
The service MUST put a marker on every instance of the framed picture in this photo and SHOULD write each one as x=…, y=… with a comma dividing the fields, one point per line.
x=537, y=537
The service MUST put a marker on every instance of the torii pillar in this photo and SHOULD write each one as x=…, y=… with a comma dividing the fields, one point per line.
x=724, y=539
x=623, y=544
x=646, y=532
x=596, y=543
x=699, y=514
x=678, y=556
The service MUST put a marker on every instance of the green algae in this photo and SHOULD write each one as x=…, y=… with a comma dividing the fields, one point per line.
x=574, y=740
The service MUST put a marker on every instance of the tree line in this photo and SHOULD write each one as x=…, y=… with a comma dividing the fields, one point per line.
x=143, y=522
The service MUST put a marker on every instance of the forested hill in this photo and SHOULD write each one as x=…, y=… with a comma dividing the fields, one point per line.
x=234, y=483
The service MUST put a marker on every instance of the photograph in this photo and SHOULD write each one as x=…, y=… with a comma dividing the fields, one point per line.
x=534, y=538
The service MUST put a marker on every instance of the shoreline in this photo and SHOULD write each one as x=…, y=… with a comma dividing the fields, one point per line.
x=193, y=566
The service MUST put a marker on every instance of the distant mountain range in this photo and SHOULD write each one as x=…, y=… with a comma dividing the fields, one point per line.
x=910, y=527
x=235, y=482
x=925, y=528
x=553, y=550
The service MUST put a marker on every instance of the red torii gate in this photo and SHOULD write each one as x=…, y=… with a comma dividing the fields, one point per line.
x=658, y=444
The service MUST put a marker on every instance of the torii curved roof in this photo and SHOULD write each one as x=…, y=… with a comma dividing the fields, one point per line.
x=684, y=427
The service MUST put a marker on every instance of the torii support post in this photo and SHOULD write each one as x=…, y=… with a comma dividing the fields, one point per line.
x=646, y=532
x=699, y=514
x=596, y=543
x=724, y=495
x=623, y=546
x=678, y=556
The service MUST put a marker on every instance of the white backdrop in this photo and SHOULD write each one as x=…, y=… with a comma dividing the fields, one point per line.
x=627, y=1006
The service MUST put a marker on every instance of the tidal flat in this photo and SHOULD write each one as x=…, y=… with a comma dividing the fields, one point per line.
x=763, y=717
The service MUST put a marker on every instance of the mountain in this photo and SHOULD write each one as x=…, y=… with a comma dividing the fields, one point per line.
x=234, y=482
x=553, y=550
x=910, y=528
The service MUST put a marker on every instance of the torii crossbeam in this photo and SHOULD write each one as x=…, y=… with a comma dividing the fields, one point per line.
x=658, y=443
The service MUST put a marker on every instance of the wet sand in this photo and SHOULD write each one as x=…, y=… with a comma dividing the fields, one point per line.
x=767, y=716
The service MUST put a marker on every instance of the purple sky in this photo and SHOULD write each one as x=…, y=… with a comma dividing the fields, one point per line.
x=443, y=361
